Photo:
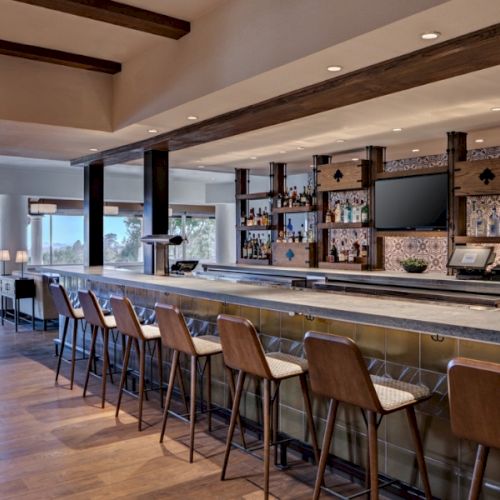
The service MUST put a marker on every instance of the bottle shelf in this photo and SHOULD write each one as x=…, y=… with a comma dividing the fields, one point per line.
x=342, y=225
x=255, y=228
x=413, y=234
x=477, y=239
x=255, y=262
x=254, y=196
x=346, y=266
x=293, y=210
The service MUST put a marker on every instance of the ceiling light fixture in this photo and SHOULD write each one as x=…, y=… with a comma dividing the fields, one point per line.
x=282, y=152
x=340, y=140
x=397, y=129
x=430, y=35
x=355, y=159
x=479, y=140
x=300, y=148
x=201, y=166
x=415, y=150
x=496, y=108
x=94, y=150
x=153, y=131
x=334, y=69
x=192, y=117
x=253, y=157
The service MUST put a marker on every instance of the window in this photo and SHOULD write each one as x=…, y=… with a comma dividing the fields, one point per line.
x=200, y=235
x=62, y=239
x=122, y=239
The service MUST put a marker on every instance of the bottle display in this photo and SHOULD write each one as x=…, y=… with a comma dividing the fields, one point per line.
x=484, y=220
x=294, y=197
x=260, y=218
x=256, y=247
x=347, y=212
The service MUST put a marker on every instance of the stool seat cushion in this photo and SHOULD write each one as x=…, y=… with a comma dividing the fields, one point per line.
x=394, y=393
x=150, y=332
x=285, y=365
x=207, y=345
x=110, y=322
x=78, y=313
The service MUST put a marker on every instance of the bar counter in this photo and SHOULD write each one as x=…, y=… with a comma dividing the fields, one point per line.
x=404, y=339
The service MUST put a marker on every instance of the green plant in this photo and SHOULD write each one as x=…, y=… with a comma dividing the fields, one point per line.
x=413, y=265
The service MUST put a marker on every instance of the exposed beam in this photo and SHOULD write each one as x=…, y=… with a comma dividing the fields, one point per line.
x=458, y=56
x=120, y=14
x=58, y=57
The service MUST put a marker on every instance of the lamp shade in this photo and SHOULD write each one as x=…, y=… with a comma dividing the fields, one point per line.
x=4, y=256
x=21, y=256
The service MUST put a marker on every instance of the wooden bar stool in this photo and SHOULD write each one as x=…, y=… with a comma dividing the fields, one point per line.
x=338, y=372
x=243, y=351
x=175, y=335
x=128, y=323
x=95, y=317
x=474, y=395
x=65, y=309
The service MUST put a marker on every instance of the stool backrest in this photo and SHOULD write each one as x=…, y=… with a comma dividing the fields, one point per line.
x=91, y=308
x=126, y=319
x=173, y=329
x=241, y=347
x=474, y=396
x=337, y=371
x=61, y=300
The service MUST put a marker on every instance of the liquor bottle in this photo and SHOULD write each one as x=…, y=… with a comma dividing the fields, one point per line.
x=269, y=247
x=356, y=251
x=279, y=201
x=480, y=223
x=334, y=254
x=251, y=217
x=259, y=217
x=355, y=212
x=473, y=219
x=364, y=213
x=347, y=216
x=289, y=226
x=364, y=249
x=291, y=199
x=244, y=250
x=493, y=223
x=328, y=216
x=243, y=219
x=338, y=212
x=342, y=252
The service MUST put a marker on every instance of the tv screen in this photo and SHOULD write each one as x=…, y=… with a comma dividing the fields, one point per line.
x=418, y=202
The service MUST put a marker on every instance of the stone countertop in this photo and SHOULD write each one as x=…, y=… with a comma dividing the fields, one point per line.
x=471, y=322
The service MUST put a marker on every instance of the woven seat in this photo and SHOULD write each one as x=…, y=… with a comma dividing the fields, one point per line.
x=395, y=393
x=150, y=332
x=207, y=345
x=285, y=365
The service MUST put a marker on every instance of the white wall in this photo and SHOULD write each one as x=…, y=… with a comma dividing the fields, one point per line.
x=13, y=223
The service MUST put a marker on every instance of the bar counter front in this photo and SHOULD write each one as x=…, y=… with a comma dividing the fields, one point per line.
x=407, y=340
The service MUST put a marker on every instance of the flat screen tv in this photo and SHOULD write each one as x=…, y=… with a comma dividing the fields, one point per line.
x=416, y=203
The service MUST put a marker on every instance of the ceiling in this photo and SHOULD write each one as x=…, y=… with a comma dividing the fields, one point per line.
x=424, y=113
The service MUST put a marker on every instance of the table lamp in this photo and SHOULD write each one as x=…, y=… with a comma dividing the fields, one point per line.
x=4, y=257
x=21, y=258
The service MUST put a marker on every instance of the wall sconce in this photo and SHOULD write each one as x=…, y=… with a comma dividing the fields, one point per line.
x=21, y=258
x=4, y=257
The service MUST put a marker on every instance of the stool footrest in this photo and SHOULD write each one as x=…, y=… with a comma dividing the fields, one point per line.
x=360, y=493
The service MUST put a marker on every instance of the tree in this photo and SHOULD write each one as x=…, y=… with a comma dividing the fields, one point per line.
x=132, y=242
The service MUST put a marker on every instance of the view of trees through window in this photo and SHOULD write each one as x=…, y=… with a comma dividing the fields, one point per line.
x=122, y=239
x=200, y=235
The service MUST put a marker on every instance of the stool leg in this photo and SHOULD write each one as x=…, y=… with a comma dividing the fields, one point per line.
x=373, y=449
x=91, y=358
x=192, y=407
x=160, y=368
x=275, y=412
x=209, y=392
x=267, y=434
x=477, y=476
x=417, y=442
x=73, y=351
x=232, y=390
x=325, y=448
x=234, y=415
x=105, y=364
x=142, y=370
x=309, y=413
x=182, y=386
x=63, y=341
x=123, y=378
x=170, y=390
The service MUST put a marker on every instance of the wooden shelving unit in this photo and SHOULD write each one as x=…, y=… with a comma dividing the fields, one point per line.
x=346, y=266
x=342, y=225
x=254, y=196
x=413, y=234
x=293, y=210
x=255, y=228
x=492, y=240
x=254, y=262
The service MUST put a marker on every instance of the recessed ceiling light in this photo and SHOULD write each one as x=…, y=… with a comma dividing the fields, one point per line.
x=415, y=150
x=334, y=69
x=201, y=166
x=430, y=35
x=496, y=108
x=282, y=152
x=199, y=161
x=340, y=140
x=153, y=131
x=94, y=150
x=192, y=117
x=300, y=148
x=355, y=159
x=397, y=129
x=312, y=166
x=479, y=140
x=253, y=157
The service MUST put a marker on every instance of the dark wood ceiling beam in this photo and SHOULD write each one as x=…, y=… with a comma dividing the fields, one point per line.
x=455, y=57
x=120, y=14
x=58, y=57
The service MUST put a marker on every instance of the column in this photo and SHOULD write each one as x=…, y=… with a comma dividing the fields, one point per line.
x=36, y=251
x=13, y=229
x=225, y=235
x=155, y=201
x=93, y=213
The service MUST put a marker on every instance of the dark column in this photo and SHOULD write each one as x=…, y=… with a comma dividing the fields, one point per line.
x=93, y=207
x=322, y=240
x=457, y=205
x=155, y=201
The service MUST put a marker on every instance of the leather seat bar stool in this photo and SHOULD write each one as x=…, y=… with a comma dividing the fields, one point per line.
x=338, y=372
x=474, y=397
x=65, y=309
x=95, y=317
x=243, y=351
x=175, y=335
x=128, y=323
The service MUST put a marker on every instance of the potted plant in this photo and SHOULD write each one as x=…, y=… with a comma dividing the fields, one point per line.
x=413, y=265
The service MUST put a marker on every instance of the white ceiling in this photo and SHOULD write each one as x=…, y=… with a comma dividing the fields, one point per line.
x=425, y=113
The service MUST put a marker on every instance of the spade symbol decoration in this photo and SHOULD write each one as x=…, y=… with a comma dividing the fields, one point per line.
x=290, y=255
x=486, y=176
x=338, y=175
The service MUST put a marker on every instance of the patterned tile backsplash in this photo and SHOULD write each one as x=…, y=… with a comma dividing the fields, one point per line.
x=433, y=250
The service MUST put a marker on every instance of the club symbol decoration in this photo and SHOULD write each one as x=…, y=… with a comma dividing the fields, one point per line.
x=290, y=255
x=338, y=175
x=487, y=176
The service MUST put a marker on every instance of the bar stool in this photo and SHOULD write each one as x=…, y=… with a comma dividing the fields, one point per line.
x=64, y=308
x=338, y=372
x=474, y=396
x=175, y=335
x=243, y=351
x=129, y=325
x=94, y=316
